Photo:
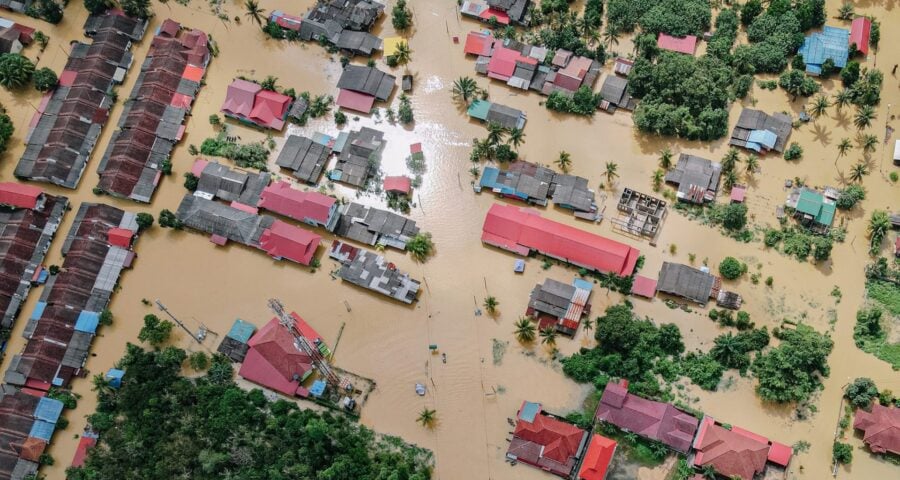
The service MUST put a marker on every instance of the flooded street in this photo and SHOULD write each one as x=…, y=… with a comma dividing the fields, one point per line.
x=387, y=341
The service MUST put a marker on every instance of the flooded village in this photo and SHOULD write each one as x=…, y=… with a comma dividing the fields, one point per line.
x=472, y=281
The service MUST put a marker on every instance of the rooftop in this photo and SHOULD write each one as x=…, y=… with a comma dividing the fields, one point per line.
x=685, y=282
x=545, y=442
x=881, y=428
x=647, y=418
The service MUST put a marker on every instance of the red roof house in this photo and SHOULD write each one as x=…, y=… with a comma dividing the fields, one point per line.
x=398, y=184
x=655, y=420
x=169, y=28
x=84, y=444
x=240, y=97
x=120, y=237
x=573, y=74
x=881, y=428
x=686, y=45
x=310, y=207
x=860, y=30
x=503, y=63
x=521, y=230
x=644, y=286
x=479, y=43
x=356, y=101
x=283, y=240
x=19, y=195
x=596, y=460
x=732, y=453
x=270, y=108
x=274, y=362
x=545, y=442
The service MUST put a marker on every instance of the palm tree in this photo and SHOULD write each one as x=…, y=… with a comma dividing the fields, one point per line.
x=491, y=304
x=878, y=227
x=516, y=137
x=548, y=336
x=255, y=13
x=657, y=179
x=858, y=172
x=665, y=159
x=464, y=88
x=495, y=133
x=564, y=161
x=731, y=158
x=525, y=330
x=864, y=116
x=427, y=417
x=843, y=147
x=270, y=83
x=819, y=106
x=752, y=164
x=727, y=350
x=842, y=98
x=868, y=143
x=611, y=172
x=729, y=179
x=846, y=12
x=611, y=37
x=588, y=325
x=403, y=53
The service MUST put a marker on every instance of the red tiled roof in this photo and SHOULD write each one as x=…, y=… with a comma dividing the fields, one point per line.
x=655, y=420
x=502, y=17
x=169, y=27
x=400, y=184
x=81, y=452
x=270, y=108
x=503, y=62
x=596, y=460
x=859, y=34
x=780, y=454
x=120, y=237
x=686, y=45
x=240, y=97
x=358, y=102
x=192, y=73
x=32, y=449
x=881, y=428
x=19, y=195
x=273, y=361
x=519, y=230
x=738, y=193
x=547, y=443
x=478, y=43
x=732, y=454
x=570, y=78
x=284, y=240
x=280, y=198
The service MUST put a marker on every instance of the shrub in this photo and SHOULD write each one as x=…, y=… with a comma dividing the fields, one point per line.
x=144, y=220
x=842, y=453
x=850, y=196
x=735, y=216
x=794, y=152
x=861, y=392
x=44, y=79
x=731, y=268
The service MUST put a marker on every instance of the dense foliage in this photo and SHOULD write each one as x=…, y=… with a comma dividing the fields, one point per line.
x=791, y=371
x=6, y=130
x=583, y=102
x=160, y=425
x=850, y=196
x=731, y=268
x=137, y=8
x=15, y=70
x=861, y=392
x=774, y=36
x=44, y=79
x=401, y=16
x=674, y=17
x=251, y=155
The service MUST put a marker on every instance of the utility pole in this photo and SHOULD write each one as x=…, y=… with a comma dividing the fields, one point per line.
x=177, y=321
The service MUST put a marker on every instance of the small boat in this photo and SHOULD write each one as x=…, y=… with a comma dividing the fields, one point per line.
x=420, y=389
x=444, y=357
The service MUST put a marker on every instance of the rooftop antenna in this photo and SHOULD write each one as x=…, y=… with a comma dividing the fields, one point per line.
x=303, y=344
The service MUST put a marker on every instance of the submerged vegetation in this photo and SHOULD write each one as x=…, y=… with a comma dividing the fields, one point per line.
x=250, y=155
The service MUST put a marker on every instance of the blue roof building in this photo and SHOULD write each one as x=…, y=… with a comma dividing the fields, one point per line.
x=241, y=331
x=87, y=322
x=760, y=140
x=114, y=377
x=48, y=410
x=318, y=388
x=831, y=42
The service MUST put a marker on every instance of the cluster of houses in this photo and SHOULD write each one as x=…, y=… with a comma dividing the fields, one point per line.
x=345, y=24
x=530, y=67
x=834, y=43
x=155, y=112
x=536, y=184
x=60, y=330
x=500, y=12
x=373, y=272
x=686, y=282
x=14, y=36
x=67, y=125
x=554, y=445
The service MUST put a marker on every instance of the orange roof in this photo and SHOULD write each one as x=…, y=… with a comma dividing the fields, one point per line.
x=596, y=461
x=32, y=449
x=193, y=73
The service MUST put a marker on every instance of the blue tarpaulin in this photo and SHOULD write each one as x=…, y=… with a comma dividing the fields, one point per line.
x=582, y=284
x=489, y=177
x=87, y=322
x=42, y=430
x=318, y=388
x=763, y=137
x=114, y=377
x=48, y=410
x=38, y=310
x=241, y=331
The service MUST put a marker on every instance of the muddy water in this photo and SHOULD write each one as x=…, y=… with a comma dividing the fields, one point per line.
x=201, y=283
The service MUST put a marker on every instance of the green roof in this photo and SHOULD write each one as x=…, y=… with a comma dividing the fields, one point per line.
x=479, y=109
x=826, y=214
x=812, y=203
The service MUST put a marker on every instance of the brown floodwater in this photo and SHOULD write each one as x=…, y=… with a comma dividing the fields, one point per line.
x=387, y=341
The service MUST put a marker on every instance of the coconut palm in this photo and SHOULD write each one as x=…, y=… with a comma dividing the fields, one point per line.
x=846, y=12
x=403, y=53
x=588, y=325
x=548, y=336
x=495, y=133
x=657, y=179
x=491, y=304
x=731, y=158
x=611, y=37
x=819, y=106
x=611, y=172
x=752, y=164
x=516, y=137
x=427, y=417
x=525, y=330
x=15, y=70
x=270, y=83
x=253, y=12
x=665, y=159
x=420, y=246
x=842, y=98
x=843, y=147
x=868, y=143
x=858, y=172
x=728, y=350
x=464, y=88
x=729, y=179
x=864, y=116
x=879, y=224
x=564, y=162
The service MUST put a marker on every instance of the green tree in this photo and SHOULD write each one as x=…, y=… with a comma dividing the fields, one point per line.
x=269, y=83
x=106, y=317
x=842, y=453
x=861, y=392
x=15, y=70
x=864, y=116
x=665, y=159
x=843, y=147
x=731, y=268
x=548, y=336
x=858, y=172
x=842, y=98
x=6, y=130
x=464, y=88
x=735, y=216
x=167, y=219
x=564, y=161
x=403, y=54
x=427, y=417
x=846, y=12
x=751, y=165
x=879, y=224
x=44, y=79
x=731, y=158
x=198, y=361
x=495, y=133
x=791, y=371
x=155, y=331
x=253, y=11
x=144, y=220
x=796, y=83
x=516, y=137
x=611, y=172
x=657, y=179
x=750, y=10
x=819, y=106
x=868, y=143
x=850, y=196
x=610, y=37
x=490, y=304
x=405, y=111
x=420, y=246
x=401, y=16
x=137, y=8
x=525, y=330
x=97, y=6
x=793, y=152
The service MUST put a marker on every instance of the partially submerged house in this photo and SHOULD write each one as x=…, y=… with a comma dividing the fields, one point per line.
x=371, y=271
x=235, y=345
x=64, y=130
x=216, y=180
x=688, y=283
x=310, y=207
x=597, y=458
x=574, y=193
x=736, y=453
x=304, y=157
x=641, y=214
x=374, y=226
x=880, y=428
x=696, y=178
x=832, y=43
x=489, y=112
x=522, y=231
x=59, y=331
x=343, y=23
x=29, y=421
x=523, y=181
x=686, y=45
x=273, y=360
x=860, y=32
x=152, y=123
x=483, y=12
x=614, y=95
x=9, y=40
x=359, y=154
x=360, y=86
x=758, y=131
x=545, y=441
x=517, y=10
x=623, y=66
x=814, y=210
x=27, y=226
x=248, y=103
x=560, y=305
x=397, y=185
x=649, y=419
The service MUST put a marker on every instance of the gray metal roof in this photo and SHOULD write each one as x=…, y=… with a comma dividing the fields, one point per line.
x=572, y=192
x=373, y=272
x=615, y=91
x=232, y=185
x=218, y=219
x=370, y=225
x=552, y=297
x=305, y=157
x=506, y=117
x=750, y=119
x=368, y=80
x=693, y=171
x=685, y=282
